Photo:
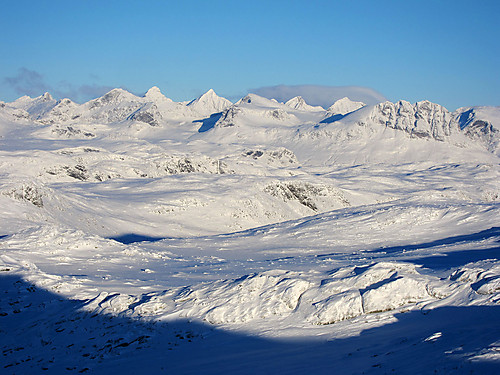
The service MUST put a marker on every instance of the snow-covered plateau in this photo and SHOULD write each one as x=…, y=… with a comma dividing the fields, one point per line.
x=142, y=235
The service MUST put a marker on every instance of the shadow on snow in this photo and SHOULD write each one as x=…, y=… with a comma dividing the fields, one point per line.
x=445, y=260
x=132, y=238
x=479, y=236
x=42, y=331
x=209, y=122
x=331, y=119
x=457, y=258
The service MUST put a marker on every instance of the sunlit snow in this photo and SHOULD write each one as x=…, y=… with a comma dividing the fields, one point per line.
x=141, y=235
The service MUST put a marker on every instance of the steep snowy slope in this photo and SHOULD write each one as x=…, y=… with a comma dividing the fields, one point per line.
x=155, y=95
x=36, y=107
x=482, y=124
x=300, y=104
x=209, y=103
x=344, y=106
x=382, y=133
x=11, y=114
x=63, y=111
x=119, y=105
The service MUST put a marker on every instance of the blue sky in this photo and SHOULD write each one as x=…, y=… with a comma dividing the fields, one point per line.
x=444, y=51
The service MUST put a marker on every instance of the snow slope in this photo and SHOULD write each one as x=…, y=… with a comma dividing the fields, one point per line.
x=140, y=234
x=209, y=103
x=344, y=106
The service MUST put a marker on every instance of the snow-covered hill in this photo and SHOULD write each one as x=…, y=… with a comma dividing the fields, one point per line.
x=142, y=234
x=344, y=106
x=481, y=124
x=209, y=103
x=300, y=104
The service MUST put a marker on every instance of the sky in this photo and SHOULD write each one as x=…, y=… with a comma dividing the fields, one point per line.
x=444, y=51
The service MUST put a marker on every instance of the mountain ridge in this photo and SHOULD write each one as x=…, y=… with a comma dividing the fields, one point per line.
x=342, y=120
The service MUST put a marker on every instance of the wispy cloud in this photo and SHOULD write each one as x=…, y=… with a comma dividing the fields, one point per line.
x=27, y=82
x=320, y=95
x=32, y=83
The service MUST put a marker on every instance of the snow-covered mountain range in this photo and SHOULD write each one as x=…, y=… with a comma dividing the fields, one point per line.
x=466, y=127
x=139, y=233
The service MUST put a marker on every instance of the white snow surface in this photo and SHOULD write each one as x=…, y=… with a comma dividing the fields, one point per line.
x=141, y=235
x=344, y=106
x=209, y=103
x=299, y=103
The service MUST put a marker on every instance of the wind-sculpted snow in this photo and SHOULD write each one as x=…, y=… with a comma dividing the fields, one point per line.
x=318, y=299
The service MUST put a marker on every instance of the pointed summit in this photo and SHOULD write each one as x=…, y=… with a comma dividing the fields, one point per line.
x=300, y=104
x=344, y=106
x=36, y=107
x=155, y=90
x=154, y=94
x=209, y=103
x=46, y=97
x=114, y=96
x=209, y=95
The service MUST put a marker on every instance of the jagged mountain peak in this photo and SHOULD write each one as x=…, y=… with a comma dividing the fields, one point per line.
x=46, y=97
x=299, y=103
x=422, y=120
x=297, y=99
x=427, y=105
x=480, y=123
x=36, y=107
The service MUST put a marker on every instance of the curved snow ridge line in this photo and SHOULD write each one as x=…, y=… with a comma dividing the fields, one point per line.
x=67, y=286
x=394, y=212
x=307, y=297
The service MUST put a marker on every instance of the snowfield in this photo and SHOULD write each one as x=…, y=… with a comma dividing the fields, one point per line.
x=141, y=235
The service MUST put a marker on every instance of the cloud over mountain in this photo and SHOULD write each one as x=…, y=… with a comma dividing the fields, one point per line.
x=27, y=82
x=320, y=95
x=32, y=83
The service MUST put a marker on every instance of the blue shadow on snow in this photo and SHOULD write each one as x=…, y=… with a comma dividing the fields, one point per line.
x=333, y=118
x=132, y=238
x=479, y=236
x=43, y=331
x=457, y=258
x=209, y=122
